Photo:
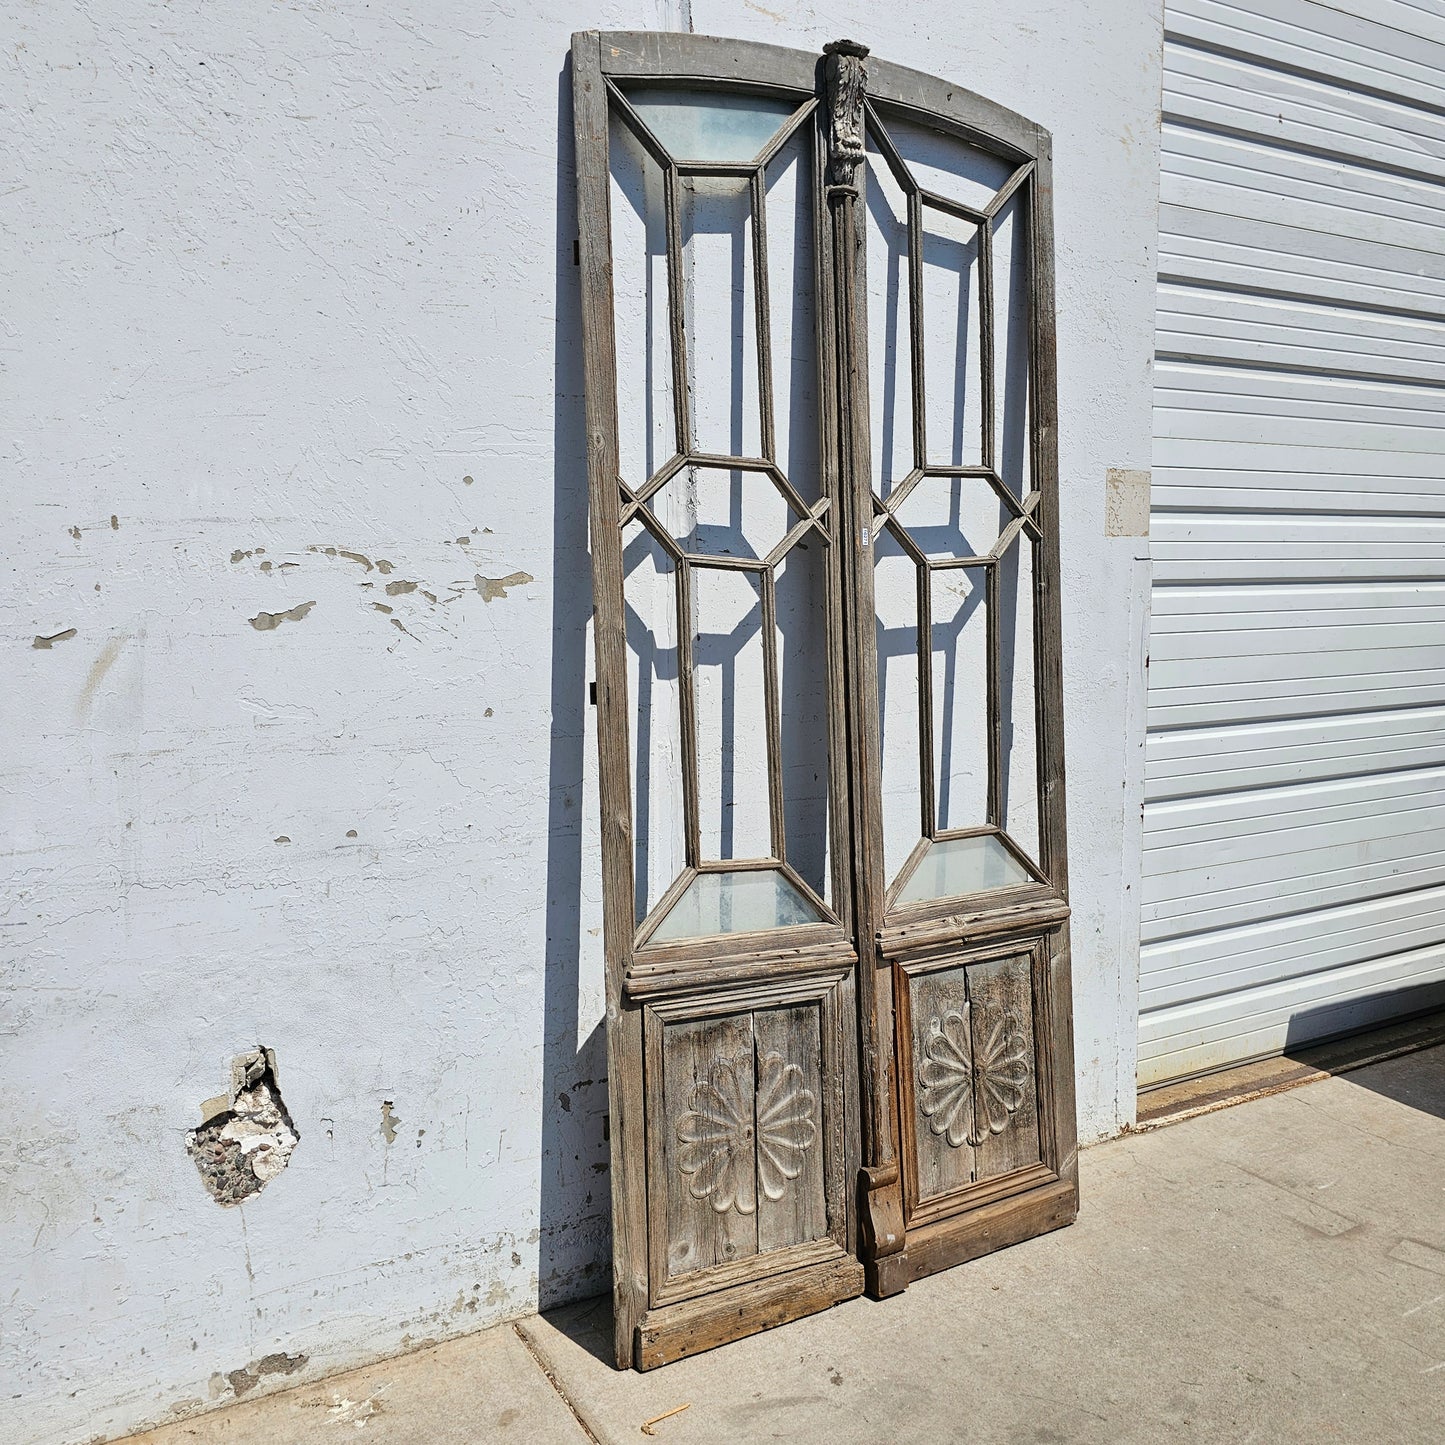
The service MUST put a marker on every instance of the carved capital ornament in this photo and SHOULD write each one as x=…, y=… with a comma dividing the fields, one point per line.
x=847, y=78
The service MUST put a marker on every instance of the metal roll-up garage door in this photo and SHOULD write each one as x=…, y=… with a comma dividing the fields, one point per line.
x=1294, y=838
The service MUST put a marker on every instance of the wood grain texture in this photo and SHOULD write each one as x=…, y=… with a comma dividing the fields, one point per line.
x=1011, y=1170
x=941, y=1082
x=674, y=1331
x=702, y=1164
x=792, y=1199
x=995, y=1226
x=754, y=1079
x=624, y=1027
x=1006, y=1069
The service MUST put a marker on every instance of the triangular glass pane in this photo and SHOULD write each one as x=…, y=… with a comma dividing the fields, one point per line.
x=744, y=901
x=698, y=126
x=955, y=866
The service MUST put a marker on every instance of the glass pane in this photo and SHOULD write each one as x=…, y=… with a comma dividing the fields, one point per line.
x=743, y=902
x=890, y=374
x=1011, y=344
x=959, y=661
x=952, y=341
x=717, y=127
x=723, y=512
x=732, y=747
x=946, y=165
x=721, y=312
x=646, y=401
x=955, y=866
x=788, y=203
x=895, y=595
x=803, y=687
x=1018, y=719
x=954, y=516
x=650, y=593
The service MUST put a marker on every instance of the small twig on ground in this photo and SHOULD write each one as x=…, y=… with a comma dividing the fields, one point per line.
x=657, y=1419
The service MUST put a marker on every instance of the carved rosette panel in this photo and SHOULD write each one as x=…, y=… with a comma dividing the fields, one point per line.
x=735, y=1141
x=966, y=1096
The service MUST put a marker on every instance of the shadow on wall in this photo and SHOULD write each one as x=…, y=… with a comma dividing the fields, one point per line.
x=575, y=1214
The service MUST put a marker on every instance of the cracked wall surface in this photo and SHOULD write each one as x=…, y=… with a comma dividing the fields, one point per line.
x=292, y=319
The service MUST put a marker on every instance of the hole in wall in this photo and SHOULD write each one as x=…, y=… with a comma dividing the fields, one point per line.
x=246, y=1137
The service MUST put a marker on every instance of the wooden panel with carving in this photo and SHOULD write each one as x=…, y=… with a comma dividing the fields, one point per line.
x=709, y=1077
x=970, y=1077
x=744, y=1118
x=1006, y=1115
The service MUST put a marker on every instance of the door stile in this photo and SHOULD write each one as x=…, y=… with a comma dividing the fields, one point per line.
x=845, y=80
x=1048, y=635
x=624, y=1026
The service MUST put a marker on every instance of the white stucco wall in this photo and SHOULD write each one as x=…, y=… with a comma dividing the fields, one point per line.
x=300, y=279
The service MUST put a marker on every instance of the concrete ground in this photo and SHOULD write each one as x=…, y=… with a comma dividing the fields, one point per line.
x=1271, y=1272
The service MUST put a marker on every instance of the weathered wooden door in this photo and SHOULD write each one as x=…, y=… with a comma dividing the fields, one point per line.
x=762, y=1101
x=950, y=430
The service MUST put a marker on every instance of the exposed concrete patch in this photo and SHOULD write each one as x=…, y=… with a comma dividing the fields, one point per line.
x=245, y=1380
x=46, y=643
x=246, y=1138
x=268, y=621
x=252, y=1375
x=493, y=587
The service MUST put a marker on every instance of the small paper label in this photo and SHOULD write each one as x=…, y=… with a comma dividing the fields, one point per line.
x=865, y=536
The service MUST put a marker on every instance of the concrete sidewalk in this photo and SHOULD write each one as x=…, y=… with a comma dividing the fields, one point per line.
x=1272, y=1272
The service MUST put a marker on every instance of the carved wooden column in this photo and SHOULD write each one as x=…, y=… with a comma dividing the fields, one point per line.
x=881, y=1199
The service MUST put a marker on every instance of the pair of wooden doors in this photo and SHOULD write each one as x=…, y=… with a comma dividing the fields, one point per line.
x=818, y=333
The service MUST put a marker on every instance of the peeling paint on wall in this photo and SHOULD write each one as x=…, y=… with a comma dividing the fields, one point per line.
x=241, y=1382
x=381, y=564
x=46, y=643
x=390, y=1122
x=269, y=621
x=493, y=587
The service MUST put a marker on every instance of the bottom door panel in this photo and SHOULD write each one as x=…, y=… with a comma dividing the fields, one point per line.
x=983, y=1161
x=747, y=1204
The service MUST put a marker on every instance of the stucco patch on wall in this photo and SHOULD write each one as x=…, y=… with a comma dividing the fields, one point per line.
x=1126, y=503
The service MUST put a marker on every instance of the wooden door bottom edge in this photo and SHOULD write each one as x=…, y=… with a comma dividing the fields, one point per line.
x=945, y=1243
x=672, y=1332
